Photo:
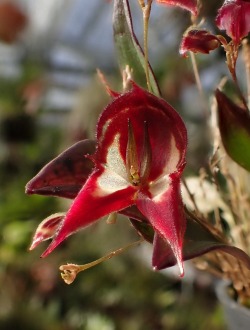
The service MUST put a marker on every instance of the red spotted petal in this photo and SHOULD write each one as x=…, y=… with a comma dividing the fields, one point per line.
x=233, y=17
x=104, y=192
x=190, y=5
x=198, y=41
x=164, y=210
x=65, y=175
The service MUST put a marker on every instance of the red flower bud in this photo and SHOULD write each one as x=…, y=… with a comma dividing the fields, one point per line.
x=198, y=41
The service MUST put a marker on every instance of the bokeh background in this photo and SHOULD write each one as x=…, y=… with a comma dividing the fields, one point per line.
x=50, y=97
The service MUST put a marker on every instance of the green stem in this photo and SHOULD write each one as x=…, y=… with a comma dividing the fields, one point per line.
x=198, y=81
x=146, y=9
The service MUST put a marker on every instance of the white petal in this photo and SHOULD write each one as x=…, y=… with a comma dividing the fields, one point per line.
x=109, y=182
x=115, y=161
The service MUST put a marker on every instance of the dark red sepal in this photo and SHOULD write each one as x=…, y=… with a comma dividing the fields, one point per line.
x=198, y=41
x=65, y=175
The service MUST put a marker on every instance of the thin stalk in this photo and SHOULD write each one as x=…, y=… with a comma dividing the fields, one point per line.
x=198, y=81
x=70, y=271
x=146, y=10
x=192, y=198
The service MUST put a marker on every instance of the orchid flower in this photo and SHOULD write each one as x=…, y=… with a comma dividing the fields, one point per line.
x=233, y=17
x=138, y=161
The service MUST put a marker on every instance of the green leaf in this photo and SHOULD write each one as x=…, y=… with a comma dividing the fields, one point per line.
x=234, y=125
x=128, y=48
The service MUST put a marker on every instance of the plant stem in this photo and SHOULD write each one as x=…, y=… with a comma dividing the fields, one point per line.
x=70, y=271
x=198, y=81
x=146, y=10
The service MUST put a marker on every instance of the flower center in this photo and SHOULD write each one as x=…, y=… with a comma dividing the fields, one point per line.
x=134, y=176
x=138, y=168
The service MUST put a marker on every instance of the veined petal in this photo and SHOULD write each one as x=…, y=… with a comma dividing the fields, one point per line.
x=166, y=214
x=96, y=199
x=65, y=175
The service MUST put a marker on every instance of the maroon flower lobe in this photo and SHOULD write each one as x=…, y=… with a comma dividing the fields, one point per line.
x=233, y=17
x=198, y=41
x=65, y=175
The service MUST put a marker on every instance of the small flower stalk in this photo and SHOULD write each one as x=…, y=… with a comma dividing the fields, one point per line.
x=70, y=271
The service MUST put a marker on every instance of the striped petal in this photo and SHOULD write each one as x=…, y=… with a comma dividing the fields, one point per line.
x=65, y=175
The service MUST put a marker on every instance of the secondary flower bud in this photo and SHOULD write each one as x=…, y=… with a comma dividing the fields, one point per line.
x=233, y=17
x=198, y=41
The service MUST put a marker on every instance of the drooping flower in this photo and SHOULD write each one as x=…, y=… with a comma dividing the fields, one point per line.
x=198, y=41
x=190, y=5
x=140, y=156
x=233, y=17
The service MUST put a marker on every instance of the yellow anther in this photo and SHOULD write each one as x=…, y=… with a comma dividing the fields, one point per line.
x=134, y=175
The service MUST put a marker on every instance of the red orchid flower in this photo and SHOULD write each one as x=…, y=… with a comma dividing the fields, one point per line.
x=190, y=5
x=140, y=156
x=198, y=41
x=233, y=17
